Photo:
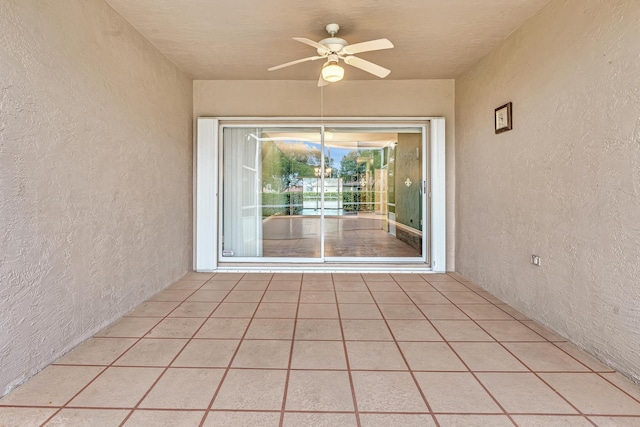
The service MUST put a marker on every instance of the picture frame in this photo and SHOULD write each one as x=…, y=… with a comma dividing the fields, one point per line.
x=503, y=118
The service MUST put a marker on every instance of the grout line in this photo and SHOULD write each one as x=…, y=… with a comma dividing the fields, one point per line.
x=406, y=362
x=346, y=356
x=286, y=381
x=166, y=368
x=226, y=371
x=138, y=339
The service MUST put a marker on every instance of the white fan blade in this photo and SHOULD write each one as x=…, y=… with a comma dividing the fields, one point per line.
x=311, y=58
x=367, y=66
x=322, y=82
x=367, y=46
x=321, y=49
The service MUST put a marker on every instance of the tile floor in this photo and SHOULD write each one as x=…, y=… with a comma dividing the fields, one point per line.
x=261, y=349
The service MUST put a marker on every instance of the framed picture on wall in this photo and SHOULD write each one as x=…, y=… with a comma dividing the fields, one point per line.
x=503, y=121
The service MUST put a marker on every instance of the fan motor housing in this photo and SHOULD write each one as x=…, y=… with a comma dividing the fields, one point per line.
x=334, y=44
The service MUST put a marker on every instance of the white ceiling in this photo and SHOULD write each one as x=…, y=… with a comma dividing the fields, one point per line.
x=240, y=39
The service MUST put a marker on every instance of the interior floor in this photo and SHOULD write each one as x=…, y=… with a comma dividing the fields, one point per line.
x=345, y=236
x=342, y=349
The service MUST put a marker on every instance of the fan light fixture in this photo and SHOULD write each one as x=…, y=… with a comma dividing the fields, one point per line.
x=332, y=72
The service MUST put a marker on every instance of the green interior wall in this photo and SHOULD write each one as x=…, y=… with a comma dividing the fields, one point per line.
x=407, y=162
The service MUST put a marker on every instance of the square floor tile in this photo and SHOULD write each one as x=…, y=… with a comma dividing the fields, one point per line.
x=319, y=391
x=366, y=330
x=97, y=351
x=431, y=356
x=297, y=419
x=251, y=389
x=416, y=287
x=400, y=311
x=318, y=355
x=524, y=393
x=277, y=310
x=220, y=285
x=553, y=420
x=223, y=328
x=544, y=356
x=487, y=356
x=403, y=420
x=365, y=355
x=207, y=296
x=284, y=285
x=317, y=286
x=244, y=419
x=129, y=327
x=152, y=352
x=263, y=354
x=427, y=298
x=623, y=383
x=489, y=297
x=384, y=287
x=455, y=392
x=317, y=297
x=449, y=287
x=87, y=417
x=53, y=386
x=464, y=298
x=509, y=330
x=387, y=392
x=252, y=285
x=244, y=296
x=287, y=277
x=391, y=298
x=153, y=309
x=176, y=327
x=476, y=421
x=201, y=353
x=184, y=388
x=281, y=296
x=24, y=417
x=150, y=418
x=377, y=277
x=351, y=287
x=318, y=329
x=592, y=395
x=461, y=330
x=484, y=312
x=347, y=277
x=235, y=309
x=408, y=277
x=616, y=421
x=118, y=388
x=512, y=312
x=257, y=276
x=442, y=312
x=359, y=311
x=584, y=358
x=354, y=297
x=194, y=309
x=318, y=311
x=413, y=330
x=270, y=329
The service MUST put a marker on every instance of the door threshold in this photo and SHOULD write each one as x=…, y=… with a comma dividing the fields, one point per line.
x=329, y=267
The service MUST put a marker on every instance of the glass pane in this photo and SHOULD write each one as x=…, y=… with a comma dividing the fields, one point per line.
x=271, y=192
x=375, y=180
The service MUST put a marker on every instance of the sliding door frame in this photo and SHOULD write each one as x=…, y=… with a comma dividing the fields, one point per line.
x=208, y=179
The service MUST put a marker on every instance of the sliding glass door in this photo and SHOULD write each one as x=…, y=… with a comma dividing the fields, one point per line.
x=323, y=193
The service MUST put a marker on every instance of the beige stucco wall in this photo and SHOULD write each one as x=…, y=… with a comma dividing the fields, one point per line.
x=565, y=182
x=95, y=176
x=365, y=98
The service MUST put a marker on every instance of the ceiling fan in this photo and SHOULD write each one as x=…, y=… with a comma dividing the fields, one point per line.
x=335, y=49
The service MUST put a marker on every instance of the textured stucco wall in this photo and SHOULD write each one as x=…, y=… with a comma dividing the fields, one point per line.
x=95, y=176
x=565, y=182
x=355, y=98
